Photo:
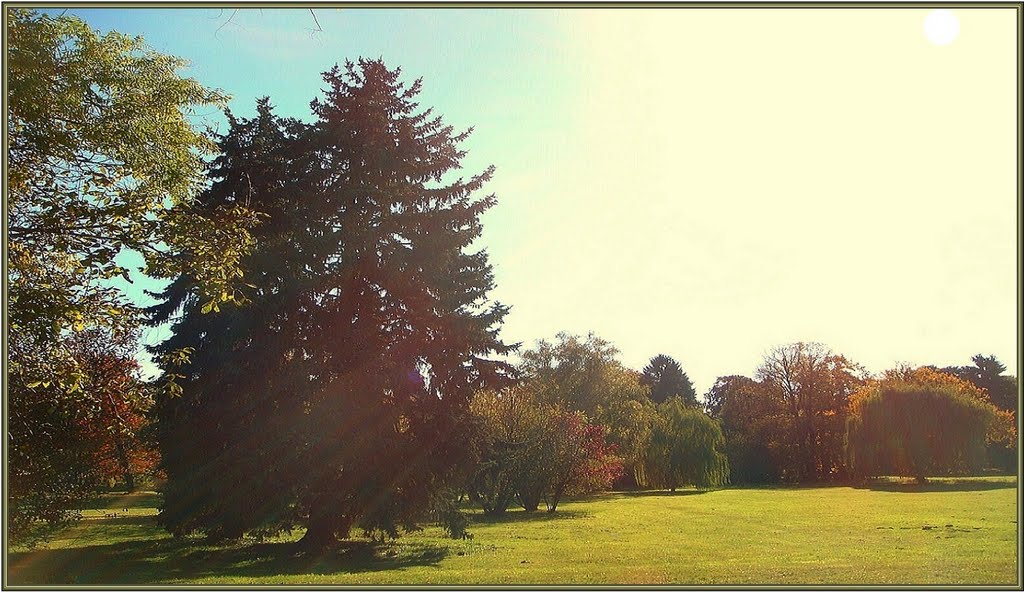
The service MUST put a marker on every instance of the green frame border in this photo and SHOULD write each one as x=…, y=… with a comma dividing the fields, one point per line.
x=540, y=5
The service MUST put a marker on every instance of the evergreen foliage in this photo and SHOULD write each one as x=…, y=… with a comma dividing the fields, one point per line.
x=665, y=378
x=339, y=396
x=988, y=373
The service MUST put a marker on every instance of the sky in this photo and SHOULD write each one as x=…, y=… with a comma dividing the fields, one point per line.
x=704, y=183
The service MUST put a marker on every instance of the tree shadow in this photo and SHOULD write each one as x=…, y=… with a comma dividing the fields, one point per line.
x=946, y=484
x=656, y=493
x=285, y=558
x=166, y=561
x=516, y=516
x=117, y=563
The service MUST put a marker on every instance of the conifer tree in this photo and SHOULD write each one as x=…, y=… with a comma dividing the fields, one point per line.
x=666, y=379
x=339, y=396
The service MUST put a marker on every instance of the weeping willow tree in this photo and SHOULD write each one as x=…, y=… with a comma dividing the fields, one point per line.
x=914, y=429
x=686, y=448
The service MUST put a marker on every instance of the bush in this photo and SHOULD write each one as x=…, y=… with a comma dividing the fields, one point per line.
x=531, y=452
x=511, y=437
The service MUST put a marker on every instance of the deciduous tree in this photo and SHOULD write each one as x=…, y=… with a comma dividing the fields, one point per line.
x=63, y=446
x=102, y=159
x=535, y=452
x=577, y=458
x=628, y=415
x=512, y=442
x=570, y=371
x=812, y=385
x=988, y=374
x=120, y=402
x=582, y=374
x=753, y=424
x=902, y=426
x=1001, y=437
x=687, y=448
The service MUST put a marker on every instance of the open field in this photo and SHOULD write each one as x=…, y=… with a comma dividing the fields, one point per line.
x=946, y=532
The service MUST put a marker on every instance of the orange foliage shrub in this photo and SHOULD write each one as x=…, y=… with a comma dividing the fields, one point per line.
x=1002, y=431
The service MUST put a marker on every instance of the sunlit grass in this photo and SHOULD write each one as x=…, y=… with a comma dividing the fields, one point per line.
x=946, y=532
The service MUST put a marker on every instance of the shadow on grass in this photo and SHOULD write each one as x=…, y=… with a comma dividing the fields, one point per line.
x=946, y=484
x=515, y=516
x=167, y=560
x=120, y=500
x=657, y=493
x=284, y=558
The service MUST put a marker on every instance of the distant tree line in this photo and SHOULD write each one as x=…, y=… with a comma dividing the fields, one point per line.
x=578, y=421
x=809, y=416
x=803, y=416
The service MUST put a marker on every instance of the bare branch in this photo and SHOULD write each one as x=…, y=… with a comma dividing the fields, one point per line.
x=225, y=23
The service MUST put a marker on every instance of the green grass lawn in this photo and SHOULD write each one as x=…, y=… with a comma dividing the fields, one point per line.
x=946, y=532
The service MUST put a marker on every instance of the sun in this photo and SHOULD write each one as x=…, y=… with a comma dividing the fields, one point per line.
x=941, y=27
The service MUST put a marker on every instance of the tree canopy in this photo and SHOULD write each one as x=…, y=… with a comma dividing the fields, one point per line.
x=583, y=374
x=339, y=397
x=753, y=425
x=102, y=159
x=687, y=448
x=512, y=445
x=1001, y=434
x=665, y=378
x=810, y=386
x=904, y=425
x=988, y=373
x=63, y=446
x=570, y=371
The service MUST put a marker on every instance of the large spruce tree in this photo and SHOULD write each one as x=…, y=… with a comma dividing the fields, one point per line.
x=338, y=397
x=666, y=379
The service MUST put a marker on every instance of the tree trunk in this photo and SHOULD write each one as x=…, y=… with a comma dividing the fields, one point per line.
x=126, y=465
x=639, y=476
x=494, y=510
x=530, y=500
x=323, y=531
x=319, y=536
x=556, y=496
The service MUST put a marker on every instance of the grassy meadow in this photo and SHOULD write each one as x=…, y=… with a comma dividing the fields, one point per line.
x=954, y=531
